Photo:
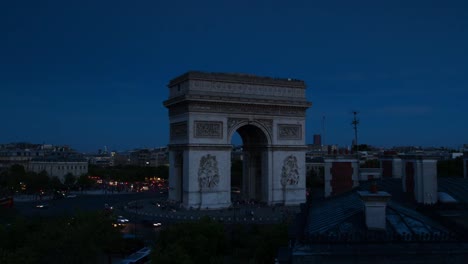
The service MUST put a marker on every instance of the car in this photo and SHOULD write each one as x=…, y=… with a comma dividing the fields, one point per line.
x=42, y=206
x=71, y=196
x=150, y=224
x=122, y=220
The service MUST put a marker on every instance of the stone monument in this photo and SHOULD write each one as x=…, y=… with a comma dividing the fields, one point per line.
x=206, y=109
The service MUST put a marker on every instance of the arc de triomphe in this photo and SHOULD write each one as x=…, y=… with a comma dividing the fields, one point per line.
x=206, y=109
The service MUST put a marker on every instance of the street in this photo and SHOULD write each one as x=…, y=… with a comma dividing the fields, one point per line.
x=68, y=206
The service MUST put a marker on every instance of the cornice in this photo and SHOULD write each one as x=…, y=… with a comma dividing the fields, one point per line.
x=237, y=108
x=237, y=100
x=237, y=78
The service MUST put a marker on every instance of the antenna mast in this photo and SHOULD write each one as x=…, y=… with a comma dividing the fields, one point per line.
x=323, y=130
x=355, y=124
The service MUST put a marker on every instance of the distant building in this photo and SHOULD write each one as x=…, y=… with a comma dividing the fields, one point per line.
x=59, y=167
x=55, y=160
x=148, y=157
x=317, y=140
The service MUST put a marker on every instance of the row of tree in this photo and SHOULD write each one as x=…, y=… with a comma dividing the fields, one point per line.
x=450, y=168
x=207, y=241
x=90, y=238
x=129, y=173
x=17, y=179
x=83, y=238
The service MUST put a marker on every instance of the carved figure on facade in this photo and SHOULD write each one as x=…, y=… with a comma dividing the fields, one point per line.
x=290, y=171
x=232, y=122
x=208, y=175
x=208, y=129
x=289, y=131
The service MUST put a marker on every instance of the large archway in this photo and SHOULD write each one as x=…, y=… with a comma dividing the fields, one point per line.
x=206, y=109
x=254, y=176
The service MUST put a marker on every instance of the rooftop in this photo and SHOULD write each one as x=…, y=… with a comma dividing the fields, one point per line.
x=341, y=218
x=237, y=78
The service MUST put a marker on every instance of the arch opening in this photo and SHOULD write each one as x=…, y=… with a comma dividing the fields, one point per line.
x=249, y=163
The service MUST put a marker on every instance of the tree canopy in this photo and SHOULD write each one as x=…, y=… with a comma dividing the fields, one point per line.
x=129, y=173
x=207, y=241
x=83, y=238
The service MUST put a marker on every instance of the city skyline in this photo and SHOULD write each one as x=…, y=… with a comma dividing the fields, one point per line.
x=90, y=75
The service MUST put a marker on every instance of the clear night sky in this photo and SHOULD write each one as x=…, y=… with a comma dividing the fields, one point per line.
x=94, y=73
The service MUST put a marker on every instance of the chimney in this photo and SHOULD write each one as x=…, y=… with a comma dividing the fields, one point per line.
x=420, y=178
x=375, y=208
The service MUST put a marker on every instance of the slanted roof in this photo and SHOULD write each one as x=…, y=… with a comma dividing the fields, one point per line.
x=344, y=215
x=456, y=187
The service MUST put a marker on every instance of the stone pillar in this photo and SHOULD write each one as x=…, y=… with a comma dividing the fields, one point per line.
x=420, y=178
x=375, y=209
x=391, y=166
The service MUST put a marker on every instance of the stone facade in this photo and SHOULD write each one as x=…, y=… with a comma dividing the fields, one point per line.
x=206, y=109
x=59, y=168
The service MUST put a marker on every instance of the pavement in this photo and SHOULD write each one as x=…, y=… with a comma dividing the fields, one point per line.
x=161, y=210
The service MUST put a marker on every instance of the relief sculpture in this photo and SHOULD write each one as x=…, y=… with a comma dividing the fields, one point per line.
x=208, y=175
x=207, y=129
x=290, y=171
x=232, y=122
x=289, y=131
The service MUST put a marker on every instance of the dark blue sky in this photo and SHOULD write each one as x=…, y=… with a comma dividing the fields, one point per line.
x=94, y=73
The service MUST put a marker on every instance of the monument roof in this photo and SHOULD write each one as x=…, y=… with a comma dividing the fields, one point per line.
x=237, y=78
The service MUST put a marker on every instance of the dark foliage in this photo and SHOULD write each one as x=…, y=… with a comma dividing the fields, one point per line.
x=450, y=168
x=129, y=173
x=84, y=238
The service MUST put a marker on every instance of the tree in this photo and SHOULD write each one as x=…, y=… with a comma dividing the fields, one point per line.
x=16, y=175
x=82, y=238
x=129, y=173
x=162, y=171
x=450, y=168
x=84, y=181
x=18, y=171
x=362, y=147
x=55, y=183
x=69, y=179
x=315, y=178
x=200, y=242
x=36, y=181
